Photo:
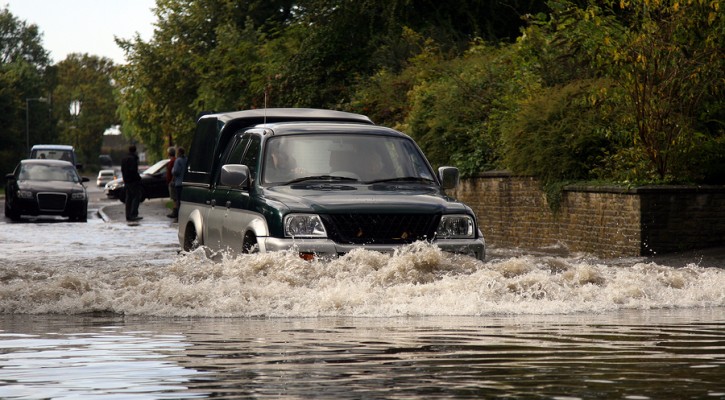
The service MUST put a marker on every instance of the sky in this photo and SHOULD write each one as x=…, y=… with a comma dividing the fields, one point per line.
x=86, y=26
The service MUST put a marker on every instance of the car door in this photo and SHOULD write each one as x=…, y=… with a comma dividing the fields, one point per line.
x=218, y=201
x=238, y=217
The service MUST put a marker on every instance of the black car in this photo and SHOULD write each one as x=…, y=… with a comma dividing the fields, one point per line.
x=46, y=187
x=153, y=182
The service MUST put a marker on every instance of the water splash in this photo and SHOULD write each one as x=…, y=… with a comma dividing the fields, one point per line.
x=418, y=280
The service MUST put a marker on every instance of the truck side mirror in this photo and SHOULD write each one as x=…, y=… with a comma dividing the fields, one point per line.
x=449, y=177
x=235, y=175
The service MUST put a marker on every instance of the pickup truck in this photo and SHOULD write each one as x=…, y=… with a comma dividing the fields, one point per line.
x=321, y=182
x=56, y=152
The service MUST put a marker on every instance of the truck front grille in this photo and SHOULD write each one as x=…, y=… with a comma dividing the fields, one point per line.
x=380, y=228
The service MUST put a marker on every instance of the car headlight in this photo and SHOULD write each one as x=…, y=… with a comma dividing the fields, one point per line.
x=304, y=225
x=25, y=194
x=78, y=196
x=456, y=227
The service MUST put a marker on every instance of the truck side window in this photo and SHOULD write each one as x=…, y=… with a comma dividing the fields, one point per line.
x=233, y=153
x=251, y=157
x=205, y=138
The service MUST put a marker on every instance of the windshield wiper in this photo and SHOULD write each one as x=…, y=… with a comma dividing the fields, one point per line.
x=321, y=178
x=403, y=179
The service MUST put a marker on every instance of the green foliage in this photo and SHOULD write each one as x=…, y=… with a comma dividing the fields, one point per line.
x=206, y=55
x=229, y=54
x=667, y=57
x=23, y=62
x=625, y=91
x=560, y=134
x=459, y=105
x=86, y=79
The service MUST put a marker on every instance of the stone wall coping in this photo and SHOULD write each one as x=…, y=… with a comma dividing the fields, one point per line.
x=618, y=189
x=646, y=189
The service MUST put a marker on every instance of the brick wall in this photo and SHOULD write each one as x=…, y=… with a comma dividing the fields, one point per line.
x=606, y=221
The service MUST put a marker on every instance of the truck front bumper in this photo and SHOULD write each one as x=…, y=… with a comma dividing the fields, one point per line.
x=327, y=248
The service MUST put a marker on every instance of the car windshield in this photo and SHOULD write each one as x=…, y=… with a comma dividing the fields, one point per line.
x=42, y=172
x=156, y=167
x=343, y=157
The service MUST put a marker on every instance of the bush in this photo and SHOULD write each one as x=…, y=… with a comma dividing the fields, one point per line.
x=561, y=134
x=457, y=109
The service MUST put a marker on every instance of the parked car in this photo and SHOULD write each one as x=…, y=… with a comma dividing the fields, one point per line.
x=56, y=152
x=46, y=187
x=322, y=182
x=153, y=183
x=105, y=176
x=105, y=161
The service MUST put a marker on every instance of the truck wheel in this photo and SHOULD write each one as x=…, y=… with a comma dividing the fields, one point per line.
x=191, y=239
x=250, y=244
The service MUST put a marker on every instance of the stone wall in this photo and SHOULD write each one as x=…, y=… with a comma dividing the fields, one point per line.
x=512, y=211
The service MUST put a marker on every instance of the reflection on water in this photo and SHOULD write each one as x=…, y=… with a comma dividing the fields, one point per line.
x=77, y=363
x=627, y=354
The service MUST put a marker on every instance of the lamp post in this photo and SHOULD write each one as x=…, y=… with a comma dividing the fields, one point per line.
x=27, y=120
x=75, y=109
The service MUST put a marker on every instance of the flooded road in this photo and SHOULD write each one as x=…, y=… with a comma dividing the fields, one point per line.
x=105, y=310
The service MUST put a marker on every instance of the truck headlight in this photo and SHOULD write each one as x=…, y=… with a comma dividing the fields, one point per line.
x=25, y=194
x=304, y=225
x=455, y=227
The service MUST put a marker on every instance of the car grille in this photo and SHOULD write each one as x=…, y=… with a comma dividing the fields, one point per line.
x=52, y=201
x=380, y=228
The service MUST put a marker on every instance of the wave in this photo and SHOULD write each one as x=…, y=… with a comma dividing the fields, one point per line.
x=418, y=280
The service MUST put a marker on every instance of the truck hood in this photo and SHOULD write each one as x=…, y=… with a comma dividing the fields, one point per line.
x=331, y=198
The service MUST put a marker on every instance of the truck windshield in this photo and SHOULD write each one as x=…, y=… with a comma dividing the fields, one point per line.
x=363, y=158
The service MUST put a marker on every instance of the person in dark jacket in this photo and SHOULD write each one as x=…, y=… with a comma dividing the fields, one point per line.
x=132, y=183
x=170, y=179
x=178, y=174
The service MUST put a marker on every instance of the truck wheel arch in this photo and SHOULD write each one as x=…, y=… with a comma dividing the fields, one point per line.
x=193, y=233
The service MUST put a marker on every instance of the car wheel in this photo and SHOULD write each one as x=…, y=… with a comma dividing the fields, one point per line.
x=14, y=216
x=82, y=217
x=249, y=245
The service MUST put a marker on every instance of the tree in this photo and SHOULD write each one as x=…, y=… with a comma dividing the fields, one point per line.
x=87, y=80
x=668, y=58
x=203, y=57
x=23, y=62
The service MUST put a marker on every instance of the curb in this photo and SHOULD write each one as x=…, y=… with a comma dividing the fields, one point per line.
x=102, y=214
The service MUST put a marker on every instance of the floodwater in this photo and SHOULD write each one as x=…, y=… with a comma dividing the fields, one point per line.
x=105, y=310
